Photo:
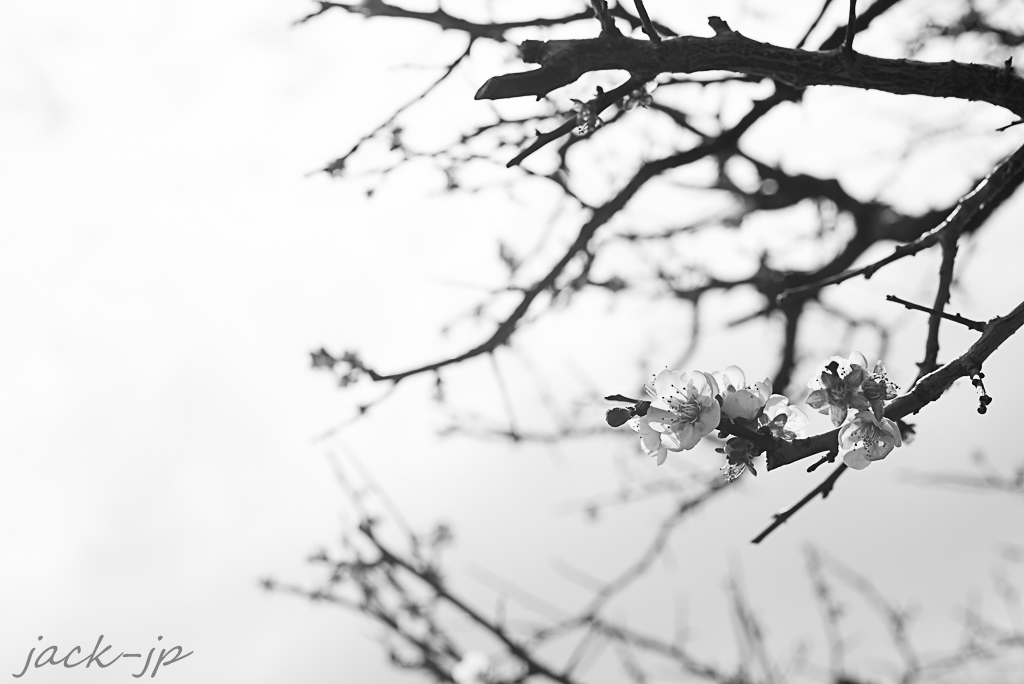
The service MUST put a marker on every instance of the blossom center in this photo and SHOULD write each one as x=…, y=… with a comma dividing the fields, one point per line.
x=688, y=412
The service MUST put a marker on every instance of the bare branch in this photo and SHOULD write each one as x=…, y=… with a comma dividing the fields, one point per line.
x=970, y=212
x=956, y=318
x=851, y=30
x=564, y=61
x=645, y=20
x=823, y=490
x=449, y=22
x=600, y=216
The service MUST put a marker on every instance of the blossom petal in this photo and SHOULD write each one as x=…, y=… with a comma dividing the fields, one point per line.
x=858, y=401
x=732, y=376
x=710, y=418
x=702, y=384
x=763, y=389
x=838, y=414
x=669, y=384
x=878, y=450
x=660, y=419
x=847, y=438
x=855, y=377
x=796, y=421
x=817, y=399
x=858, y=359
x=742, y=404
x=775, y=405
x=682, y=439
x=890, y=426
x=650, y=440
x=856, y=459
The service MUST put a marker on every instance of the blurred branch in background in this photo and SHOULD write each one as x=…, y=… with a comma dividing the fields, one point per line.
x=396, y=577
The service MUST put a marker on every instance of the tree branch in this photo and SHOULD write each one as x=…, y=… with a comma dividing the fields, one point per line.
x=564, y=61
x=600, y=216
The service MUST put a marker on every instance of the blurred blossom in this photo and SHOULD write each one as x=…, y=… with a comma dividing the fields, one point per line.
x=471, y=669
x=640, y=97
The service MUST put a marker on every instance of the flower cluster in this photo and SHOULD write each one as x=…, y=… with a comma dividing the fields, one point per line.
x=845, y=384
x=760, y=416
x=683, y=408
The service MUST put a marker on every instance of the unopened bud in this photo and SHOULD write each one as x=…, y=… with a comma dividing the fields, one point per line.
x=618, y=416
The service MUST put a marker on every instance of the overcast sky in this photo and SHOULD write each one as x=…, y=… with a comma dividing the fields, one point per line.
x=167, y=264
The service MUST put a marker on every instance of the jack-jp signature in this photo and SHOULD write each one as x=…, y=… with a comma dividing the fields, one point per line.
x=49, y=656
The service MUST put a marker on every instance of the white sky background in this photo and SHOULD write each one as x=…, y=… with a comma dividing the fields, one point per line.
x=166, y=267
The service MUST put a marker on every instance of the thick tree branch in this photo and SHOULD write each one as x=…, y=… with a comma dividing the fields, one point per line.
x=564, y=61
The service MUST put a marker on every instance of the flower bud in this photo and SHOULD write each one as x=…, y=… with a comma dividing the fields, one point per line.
x=618, y=416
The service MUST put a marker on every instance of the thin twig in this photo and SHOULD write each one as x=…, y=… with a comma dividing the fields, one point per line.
x=597, y=105
x=851, y=29
x=506, y=399
x=948, y=244
x=897, y=620
x=956, y=318
x=814, y=24
x=339, y=164
x=831, y=612
x=608, y=27
x=823, y=489
x=645, y=20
